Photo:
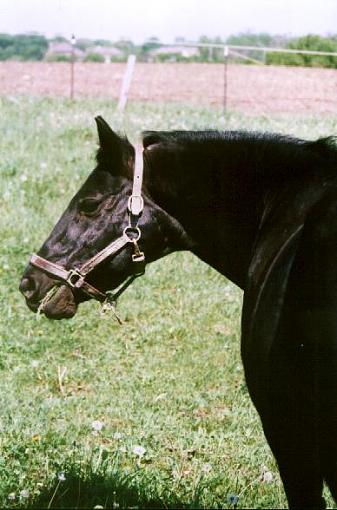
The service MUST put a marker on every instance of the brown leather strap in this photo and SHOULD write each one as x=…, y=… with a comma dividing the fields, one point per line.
x=92, y=291
x=73, y=278
x=76, y=277
x=109, y=250
x=49, y=267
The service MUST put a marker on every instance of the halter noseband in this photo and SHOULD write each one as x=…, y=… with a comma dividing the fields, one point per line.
x=76, y=277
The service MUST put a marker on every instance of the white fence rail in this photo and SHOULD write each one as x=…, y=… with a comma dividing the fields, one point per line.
x=264, y=49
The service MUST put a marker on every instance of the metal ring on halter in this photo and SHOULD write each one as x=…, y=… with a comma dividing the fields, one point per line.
x=133, y=230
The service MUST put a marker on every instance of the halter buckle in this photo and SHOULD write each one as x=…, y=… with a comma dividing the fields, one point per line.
x=74, y=278
x=135, y=204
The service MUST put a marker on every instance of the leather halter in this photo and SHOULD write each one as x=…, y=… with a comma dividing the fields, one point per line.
x=76, y=277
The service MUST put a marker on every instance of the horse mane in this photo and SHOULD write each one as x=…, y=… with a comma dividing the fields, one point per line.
x=210, y=136
x=271, y=151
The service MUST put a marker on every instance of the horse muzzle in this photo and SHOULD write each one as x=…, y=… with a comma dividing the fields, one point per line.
x=35, y=285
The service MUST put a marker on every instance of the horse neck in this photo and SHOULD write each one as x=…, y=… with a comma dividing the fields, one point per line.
x=217, y=200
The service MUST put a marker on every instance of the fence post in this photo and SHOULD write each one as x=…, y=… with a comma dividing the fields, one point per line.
x=123, y=97
x=72, y=63
x=225, y=54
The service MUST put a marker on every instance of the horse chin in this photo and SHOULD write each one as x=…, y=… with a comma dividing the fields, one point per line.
x=61, y=305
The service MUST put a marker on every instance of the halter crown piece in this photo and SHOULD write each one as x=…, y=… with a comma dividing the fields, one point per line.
x=76, y=277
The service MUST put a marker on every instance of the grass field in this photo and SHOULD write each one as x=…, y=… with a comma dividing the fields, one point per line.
x=154, y=413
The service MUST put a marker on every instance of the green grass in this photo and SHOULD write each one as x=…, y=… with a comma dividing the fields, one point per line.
x=169, y=380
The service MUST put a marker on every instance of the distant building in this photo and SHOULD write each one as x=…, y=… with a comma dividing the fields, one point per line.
x=171, y=53
x=107, y=52
x=58, y=50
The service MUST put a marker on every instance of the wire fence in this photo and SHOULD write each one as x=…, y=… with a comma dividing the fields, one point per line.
x=229, y=86
x=274, y=88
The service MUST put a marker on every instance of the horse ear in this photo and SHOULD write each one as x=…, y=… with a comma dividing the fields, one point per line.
x=114, y=151
x=108, y=140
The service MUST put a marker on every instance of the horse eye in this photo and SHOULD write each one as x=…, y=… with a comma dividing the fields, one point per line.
x=89, y=206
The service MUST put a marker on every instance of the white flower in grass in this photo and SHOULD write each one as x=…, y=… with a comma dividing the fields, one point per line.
x=206, y=468
x=267, y=476
x=97, y=425
x=117, y=436
x=61, y=477
x=24, y=493
x=12, y=496
x=139, y=450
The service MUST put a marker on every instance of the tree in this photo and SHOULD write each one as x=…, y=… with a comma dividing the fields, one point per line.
x=149, y=45
x=249, y=39
x=23, y=46
x=205, y=53
x=94, y=57
x=307, y=43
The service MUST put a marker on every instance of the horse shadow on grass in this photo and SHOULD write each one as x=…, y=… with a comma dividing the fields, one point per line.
x=104, y=491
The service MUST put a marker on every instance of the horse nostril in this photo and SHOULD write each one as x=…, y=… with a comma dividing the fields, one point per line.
x=28, y=287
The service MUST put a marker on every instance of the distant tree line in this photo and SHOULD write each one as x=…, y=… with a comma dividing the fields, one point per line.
x=23, y=47
x=311, y=43
x=35, y=47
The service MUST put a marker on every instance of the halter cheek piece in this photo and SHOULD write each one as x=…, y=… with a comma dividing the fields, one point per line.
x=76, y=277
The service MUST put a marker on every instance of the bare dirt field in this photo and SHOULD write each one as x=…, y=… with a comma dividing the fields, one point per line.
x=251, y=89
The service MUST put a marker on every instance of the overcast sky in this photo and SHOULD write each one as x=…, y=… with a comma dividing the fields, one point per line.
x=166, y=19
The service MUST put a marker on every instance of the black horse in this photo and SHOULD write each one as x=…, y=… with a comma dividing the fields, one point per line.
x=262, y=210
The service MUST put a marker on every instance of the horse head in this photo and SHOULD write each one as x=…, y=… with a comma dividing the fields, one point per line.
x=96, y=216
